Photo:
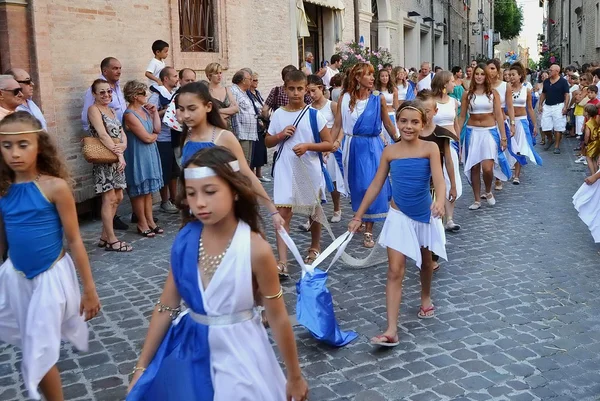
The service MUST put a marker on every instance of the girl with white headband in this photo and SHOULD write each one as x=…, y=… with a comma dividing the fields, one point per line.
x=218, y=349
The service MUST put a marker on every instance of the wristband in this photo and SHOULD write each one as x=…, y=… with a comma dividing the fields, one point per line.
x=273, y=213
x=356, y=219
x=138, y=368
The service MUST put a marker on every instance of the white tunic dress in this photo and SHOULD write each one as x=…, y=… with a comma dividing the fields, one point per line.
x=243, y=364
x=290, y=187
x=331, y=163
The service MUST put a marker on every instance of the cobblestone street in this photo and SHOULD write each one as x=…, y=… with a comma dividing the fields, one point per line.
x=515, y=312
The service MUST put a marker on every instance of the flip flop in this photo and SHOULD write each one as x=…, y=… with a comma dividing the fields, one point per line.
x=385, y=341
x=423, y=312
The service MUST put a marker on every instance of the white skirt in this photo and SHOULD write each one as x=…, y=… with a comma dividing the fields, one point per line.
x=336, y=174
x=519, y=143
x=482, y=147
x=407, y=236
x=457, y=179
x=36, y=314
x=587, y=202
x=390, y=140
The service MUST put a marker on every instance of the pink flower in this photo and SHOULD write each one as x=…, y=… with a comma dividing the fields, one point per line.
x=379, y=67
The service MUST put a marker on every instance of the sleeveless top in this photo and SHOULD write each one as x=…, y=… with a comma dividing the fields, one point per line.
x=446, y=113
x=33, y=228
x=520, y=97
x=501, y=89
x=192, y=147
x=112, y=126
x=481, y=104
x=327, y=113
x=402, y=91
x=389, y=97
x=410, y=187
x=349, y=118
x=224, y=103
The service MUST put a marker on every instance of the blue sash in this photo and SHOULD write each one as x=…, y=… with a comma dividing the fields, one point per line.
x=522, y=160
x=312, y=113
x=369, y=122
x=502, y=162
x=531, y=141
x=180, y=369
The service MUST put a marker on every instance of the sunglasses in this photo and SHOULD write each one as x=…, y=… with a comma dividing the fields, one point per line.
x=106, y=92
x=255, y=80
x=15, y=92
x=141, y=94
x=27, y=81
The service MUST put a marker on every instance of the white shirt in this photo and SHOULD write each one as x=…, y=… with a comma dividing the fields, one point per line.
x=154, y=67
x=425, y=83
x=34, y=110
x=571, y=90
x=328, y=75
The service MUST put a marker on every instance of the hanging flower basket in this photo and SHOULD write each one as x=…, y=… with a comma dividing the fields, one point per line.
x=353, y=53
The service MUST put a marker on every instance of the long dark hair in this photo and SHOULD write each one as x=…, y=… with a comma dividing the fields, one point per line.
x=390, y=85
x=48, y=162
x=487, y=84
x=201, y=91
x=246, y=207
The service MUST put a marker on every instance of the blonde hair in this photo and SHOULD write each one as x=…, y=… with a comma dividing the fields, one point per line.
x=212, y=69
x=132, y=88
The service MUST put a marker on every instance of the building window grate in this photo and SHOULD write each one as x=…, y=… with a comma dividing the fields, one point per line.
x=197, y=26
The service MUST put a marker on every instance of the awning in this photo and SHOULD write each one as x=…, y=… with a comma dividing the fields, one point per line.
x=301, y=22
x=335, y=4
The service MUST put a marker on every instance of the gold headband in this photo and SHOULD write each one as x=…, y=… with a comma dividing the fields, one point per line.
x=412, y=108
x=35, y=131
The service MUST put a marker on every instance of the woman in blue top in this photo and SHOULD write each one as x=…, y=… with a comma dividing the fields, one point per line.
x=204, y=127
x=413, y=226
x=40, y=301
x=359, y=117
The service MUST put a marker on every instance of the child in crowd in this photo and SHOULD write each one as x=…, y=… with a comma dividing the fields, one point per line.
x=333, y=160
x=160, y=49
x=300, y=132
x=413, y=227
x=40, y=301
x=591, y=137
x=218, y=349
x=578, y=113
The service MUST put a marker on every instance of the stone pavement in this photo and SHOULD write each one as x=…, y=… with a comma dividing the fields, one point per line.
x=516, y=314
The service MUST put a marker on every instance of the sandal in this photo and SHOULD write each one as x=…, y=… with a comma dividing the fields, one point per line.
x=102, y=243
x=368, y=240
x=426, y=313
x=158, y=230
x=385, y=341
x=149, y=233
x=283, y=270
x=436, y=266
x=122, y=247
x=313, y=254
x=475, y=206
x=362, y=228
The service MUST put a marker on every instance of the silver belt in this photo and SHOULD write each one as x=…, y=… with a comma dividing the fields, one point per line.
x=223, y=320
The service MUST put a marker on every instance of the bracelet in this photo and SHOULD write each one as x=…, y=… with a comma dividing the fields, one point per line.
x=138, y=368
x=512, y=122
x=274, y=213
x=276, y=296
x=173, y=312
x=355, y=219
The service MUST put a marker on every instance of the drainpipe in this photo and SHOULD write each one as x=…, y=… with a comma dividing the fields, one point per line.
x=569, y=43
x=562, y=25
x=448, y=30
x=356, y=21
x=432, y=36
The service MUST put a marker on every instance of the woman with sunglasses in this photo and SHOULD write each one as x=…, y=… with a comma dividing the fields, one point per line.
x=11, y=95
x=109, y=179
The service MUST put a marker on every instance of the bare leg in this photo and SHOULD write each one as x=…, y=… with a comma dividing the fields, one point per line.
x=517, y=170
x=488, y=174
x=164, y=194
x=51, y=385
x=138, y=204
x=259, y=172
x=426, y=278
x=107, y=212
x=393, y=290
x=315, y=235
x=173, y=189
x=558, y=136
x=335, y=197
x=369, y=227
x=286, y=214
x=148, y=212
x=476, y=181
x=449, y=208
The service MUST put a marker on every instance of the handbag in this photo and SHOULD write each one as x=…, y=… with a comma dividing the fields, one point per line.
x=95, y=152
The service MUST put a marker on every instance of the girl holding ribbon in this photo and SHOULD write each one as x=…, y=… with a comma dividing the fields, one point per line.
x=359, y=118
x=413, y=227
x=218, y=349
x=485, y=137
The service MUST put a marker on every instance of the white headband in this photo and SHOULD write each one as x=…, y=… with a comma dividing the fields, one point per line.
x=204, y=172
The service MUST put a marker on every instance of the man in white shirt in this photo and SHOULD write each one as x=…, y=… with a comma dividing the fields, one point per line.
x=27, y=85
x=332, y=69
x=425, y=77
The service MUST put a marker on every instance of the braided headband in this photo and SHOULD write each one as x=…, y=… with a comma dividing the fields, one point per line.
x=35, y=131
x=204, y=172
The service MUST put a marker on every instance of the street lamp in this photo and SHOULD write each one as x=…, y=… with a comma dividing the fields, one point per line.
x=413, y=14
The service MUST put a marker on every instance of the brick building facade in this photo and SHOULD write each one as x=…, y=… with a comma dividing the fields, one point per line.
x=61, y=44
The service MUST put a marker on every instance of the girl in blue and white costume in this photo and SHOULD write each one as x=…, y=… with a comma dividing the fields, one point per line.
x=218, y=349
x=40, y=301
x=359, y=118
x=485, y=137
x=587, y=202
x=522, y=145
x=413, y=227
x=203, y=127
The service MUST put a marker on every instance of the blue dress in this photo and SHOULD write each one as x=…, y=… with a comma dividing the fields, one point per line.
x=143, y=171
x=190, y=148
